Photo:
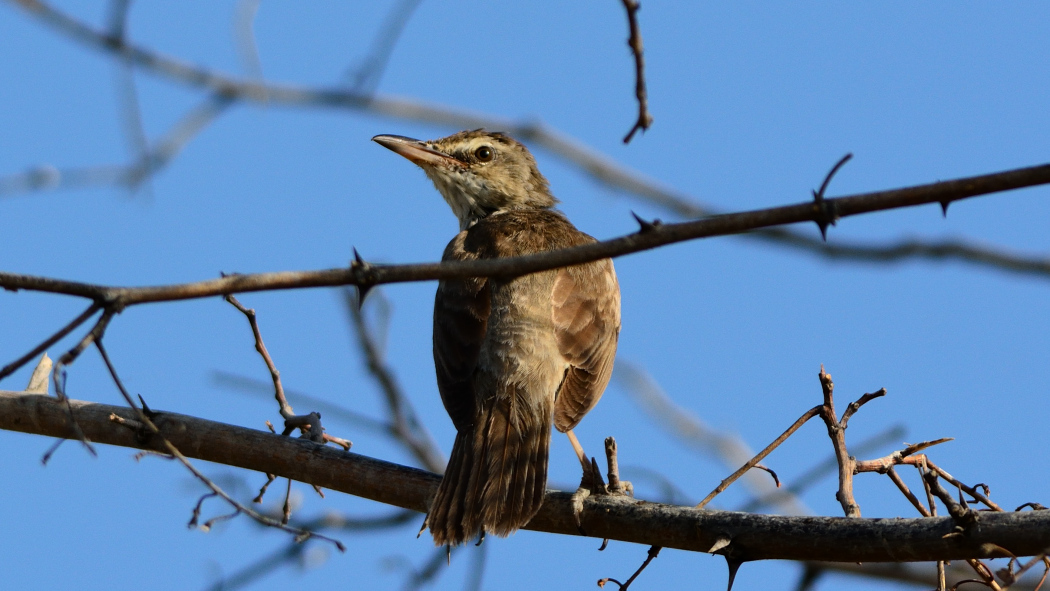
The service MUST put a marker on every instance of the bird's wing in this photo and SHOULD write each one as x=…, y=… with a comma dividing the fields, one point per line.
x=461, y=312
x=586, y=314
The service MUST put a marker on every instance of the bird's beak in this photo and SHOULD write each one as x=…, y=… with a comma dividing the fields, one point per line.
x=417, y=151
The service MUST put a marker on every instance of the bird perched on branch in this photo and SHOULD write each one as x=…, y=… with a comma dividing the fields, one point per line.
x=513, y=355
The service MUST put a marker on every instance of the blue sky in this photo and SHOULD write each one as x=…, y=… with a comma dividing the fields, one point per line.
x=752, y=104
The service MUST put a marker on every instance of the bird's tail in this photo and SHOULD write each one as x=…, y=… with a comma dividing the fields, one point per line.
x=496, y=476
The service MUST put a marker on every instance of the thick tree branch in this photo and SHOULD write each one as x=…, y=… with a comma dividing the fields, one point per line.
x=753, y=537
x=649, y=237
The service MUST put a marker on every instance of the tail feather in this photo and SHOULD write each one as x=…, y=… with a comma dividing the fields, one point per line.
x=446, y=510
x=496, y=476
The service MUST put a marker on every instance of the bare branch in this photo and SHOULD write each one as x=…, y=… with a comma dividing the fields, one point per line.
x=762, y=454
x=727, y=448
x=12, y=367
x=606, y=516
x=406, y=427
x=367, y=275
x=654, y=551
x=244, y=33
x=634, y=41
x=164, y=444
x=148, y=161
x=818, y=471
x=365, y=77
x=837, y=433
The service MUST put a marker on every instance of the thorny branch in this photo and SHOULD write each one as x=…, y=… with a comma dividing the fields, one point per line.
x=598, y=167
x=645, y=119
x=366, y=275
x=605, y=516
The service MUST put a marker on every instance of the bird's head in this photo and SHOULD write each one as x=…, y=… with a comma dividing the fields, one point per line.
x=478, y=172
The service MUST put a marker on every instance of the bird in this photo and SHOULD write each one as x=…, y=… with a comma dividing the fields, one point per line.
x=513, y=356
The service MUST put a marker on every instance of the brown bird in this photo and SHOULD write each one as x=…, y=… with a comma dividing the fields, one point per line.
x=514, y=355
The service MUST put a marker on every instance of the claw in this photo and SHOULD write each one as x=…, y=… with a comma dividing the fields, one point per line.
x=578, y=498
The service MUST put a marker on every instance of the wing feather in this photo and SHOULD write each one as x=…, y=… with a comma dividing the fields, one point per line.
x=461, y=312
x=586, y=315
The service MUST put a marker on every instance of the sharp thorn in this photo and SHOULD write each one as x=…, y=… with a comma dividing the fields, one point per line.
x=944, y=207
x=644, y=225
x=719, y=544
x=362, y=291
x=734, y=566
x=362, y=288
x=145, y=407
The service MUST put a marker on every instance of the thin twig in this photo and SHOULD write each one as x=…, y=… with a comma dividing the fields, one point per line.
x=407, y=428
x=244, y=32
x=14, y=366
x=58, y=377
x=364, y=78
x=972, y=491
x=818, y=471
x=130, y=107
x=680, y=422
x=761, y=455
x=634, y=41
x=174, y=451
x=907, y=492
x=278, y=389
x=654, y=551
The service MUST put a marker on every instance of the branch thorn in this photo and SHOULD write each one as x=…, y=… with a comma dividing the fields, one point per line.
x=722, y=541
x=645, y=225
x=360, y=268
x=734, y=566
x=826, y=216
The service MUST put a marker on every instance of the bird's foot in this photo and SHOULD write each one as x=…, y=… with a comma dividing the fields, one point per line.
x=591, y=484
x=621, y=488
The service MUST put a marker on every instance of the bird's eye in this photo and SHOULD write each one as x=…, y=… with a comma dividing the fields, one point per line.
x=484, y=154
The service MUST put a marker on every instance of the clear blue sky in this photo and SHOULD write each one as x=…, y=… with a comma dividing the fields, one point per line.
x=752, y=103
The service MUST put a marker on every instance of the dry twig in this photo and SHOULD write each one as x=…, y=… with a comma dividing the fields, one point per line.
x=405, y=425
x=634, y=41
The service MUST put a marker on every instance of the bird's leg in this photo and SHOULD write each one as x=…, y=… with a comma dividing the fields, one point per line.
x=591, y=483
x=579, y=452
